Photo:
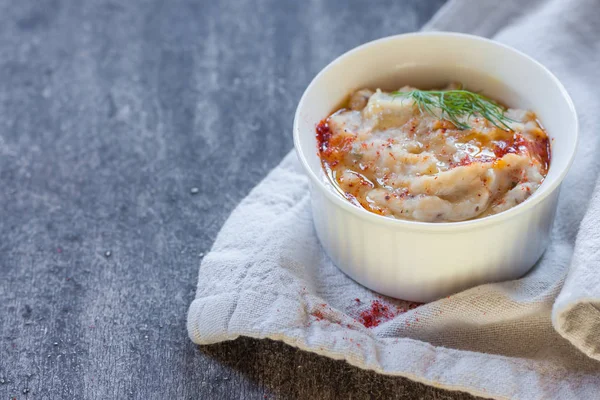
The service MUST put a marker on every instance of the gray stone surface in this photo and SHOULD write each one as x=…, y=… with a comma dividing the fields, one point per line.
x=110, y=113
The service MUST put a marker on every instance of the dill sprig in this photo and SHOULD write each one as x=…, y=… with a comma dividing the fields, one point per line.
x=457, y=106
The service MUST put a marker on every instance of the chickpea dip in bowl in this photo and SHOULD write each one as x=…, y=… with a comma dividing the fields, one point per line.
x=477, y=206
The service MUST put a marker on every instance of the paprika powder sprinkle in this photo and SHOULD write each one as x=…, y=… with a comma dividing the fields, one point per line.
x=323, y=135
x=318, y=315
x=380, y=312
x=376, y=314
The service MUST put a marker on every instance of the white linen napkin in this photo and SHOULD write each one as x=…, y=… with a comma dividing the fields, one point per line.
x=537, y=337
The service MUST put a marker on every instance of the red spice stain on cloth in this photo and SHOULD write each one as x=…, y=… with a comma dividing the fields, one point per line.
x=377, y=313
x=318, y=315
x=380, y=312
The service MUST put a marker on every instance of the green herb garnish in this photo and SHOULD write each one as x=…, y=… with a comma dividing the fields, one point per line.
x=457, y=106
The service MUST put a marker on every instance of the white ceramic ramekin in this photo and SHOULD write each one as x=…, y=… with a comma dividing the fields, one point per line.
x=424, y=261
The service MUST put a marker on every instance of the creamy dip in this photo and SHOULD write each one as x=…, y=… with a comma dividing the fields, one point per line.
x=388, y=156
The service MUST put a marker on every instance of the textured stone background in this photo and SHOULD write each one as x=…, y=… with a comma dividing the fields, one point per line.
x=110, y=112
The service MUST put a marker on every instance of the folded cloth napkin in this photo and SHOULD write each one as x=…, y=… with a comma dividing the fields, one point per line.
x=536, y=337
